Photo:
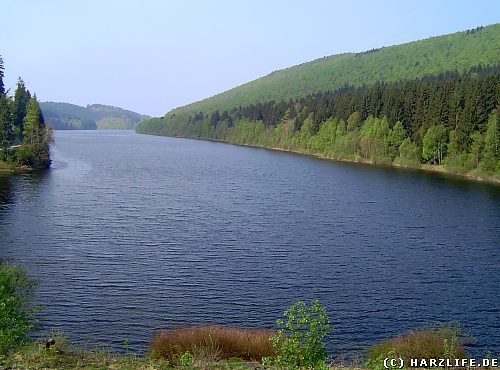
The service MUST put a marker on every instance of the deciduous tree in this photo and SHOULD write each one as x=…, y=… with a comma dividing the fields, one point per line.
x=434, y=144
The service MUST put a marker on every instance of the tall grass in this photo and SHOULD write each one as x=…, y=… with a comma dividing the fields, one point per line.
x=441, y=341
x=212, y=342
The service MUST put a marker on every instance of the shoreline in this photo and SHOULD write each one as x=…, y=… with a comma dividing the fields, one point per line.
x=4, y=172
x=10, y=170
x=7, y=170
x=428, y=168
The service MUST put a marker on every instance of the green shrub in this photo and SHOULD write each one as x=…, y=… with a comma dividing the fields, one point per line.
x=186, y=358
x=16, y=313
x=299, y=342
x=25, y=155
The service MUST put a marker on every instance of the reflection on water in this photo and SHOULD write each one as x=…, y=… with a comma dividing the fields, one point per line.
x=6, y=193
x=129, y=233
x=23, y=188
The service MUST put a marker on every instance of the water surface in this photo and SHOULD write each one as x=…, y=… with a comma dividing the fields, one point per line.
x=130, y=233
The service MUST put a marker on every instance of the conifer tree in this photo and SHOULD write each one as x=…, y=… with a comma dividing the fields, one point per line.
x=2, y=88
x=21, y=99
x=5, y=124
x=31, y=122
x=5, y=116
x=36, y=137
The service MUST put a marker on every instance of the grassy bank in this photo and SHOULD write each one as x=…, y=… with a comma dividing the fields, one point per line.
x=63, y=355
x=216, y=347
x=207, y=347
x=8, y=169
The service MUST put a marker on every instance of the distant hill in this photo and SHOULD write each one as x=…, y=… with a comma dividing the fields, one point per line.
x=65, y=116
x=458, y=51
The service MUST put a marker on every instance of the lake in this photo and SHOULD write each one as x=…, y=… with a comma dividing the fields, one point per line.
x=127, y=234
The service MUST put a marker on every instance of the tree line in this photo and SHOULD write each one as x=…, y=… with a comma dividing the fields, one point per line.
x=24, y=138
x=451, y=119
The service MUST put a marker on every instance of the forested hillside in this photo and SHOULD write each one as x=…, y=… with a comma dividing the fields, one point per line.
x=65, y=116
x=24, y=138
x=445, y=117
x=459, y=51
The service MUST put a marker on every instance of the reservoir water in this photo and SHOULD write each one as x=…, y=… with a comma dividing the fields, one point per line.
x=127, y=234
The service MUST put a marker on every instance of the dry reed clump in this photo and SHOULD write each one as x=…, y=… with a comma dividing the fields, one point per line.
x=212, y=343
x=445, y=341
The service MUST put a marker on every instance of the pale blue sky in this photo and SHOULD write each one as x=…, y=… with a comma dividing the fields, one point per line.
x=151, y=56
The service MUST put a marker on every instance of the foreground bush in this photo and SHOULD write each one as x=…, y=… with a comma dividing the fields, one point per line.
x=441, y=341
x=16, y=314
x=210, y=343
x=299, y=341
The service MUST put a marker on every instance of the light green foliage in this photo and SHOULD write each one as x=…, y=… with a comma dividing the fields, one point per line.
x=476, y=148
x=16, y=314
x=409, y=153
x=325, y=136
x=450, y=346
x=306, y=131
x=394, y=139
x=283, y=132
x=457, y=161
x=434, y=144
x=186, y=358
x=245, y=132
x=354, y=121
x=373, y=136
x=299, y=340
x=341, y=130
x=346, y=142
x=491, y=145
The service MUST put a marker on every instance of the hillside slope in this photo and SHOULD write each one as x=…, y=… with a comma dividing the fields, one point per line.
x=65, y=116
x=430, y=104
x=457, y=51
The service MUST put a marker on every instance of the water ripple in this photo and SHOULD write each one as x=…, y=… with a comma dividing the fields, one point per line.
x=128, y=234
